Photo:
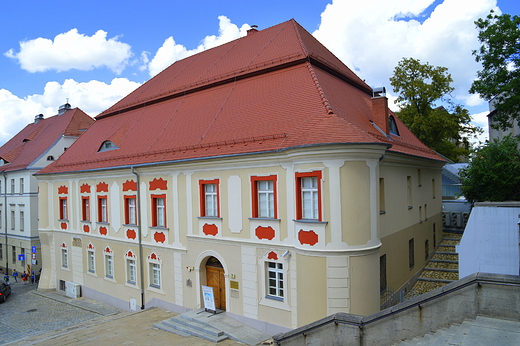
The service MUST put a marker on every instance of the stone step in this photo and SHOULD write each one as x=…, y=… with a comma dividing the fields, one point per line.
x=444, y=261
x=442, y=270
x=434, y=280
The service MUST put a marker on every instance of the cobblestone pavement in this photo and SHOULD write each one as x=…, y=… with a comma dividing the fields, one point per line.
x=29, y=317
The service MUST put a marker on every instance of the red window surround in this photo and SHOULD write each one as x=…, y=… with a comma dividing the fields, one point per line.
x=102, y=211
x=202, y=196
x=63, y=208
x=156, y=209
x=254, y=194
x=299, y=201
x=85, y=208
x=127, y=210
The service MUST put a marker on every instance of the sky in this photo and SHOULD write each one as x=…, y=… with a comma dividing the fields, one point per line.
x=92, y=53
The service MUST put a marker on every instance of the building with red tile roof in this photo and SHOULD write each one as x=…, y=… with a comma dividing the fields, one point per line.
x=264, y=168
x=34, y=147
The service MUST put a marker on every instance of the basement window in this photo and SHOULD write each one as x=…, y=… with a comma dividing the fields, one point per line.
x=107, y=145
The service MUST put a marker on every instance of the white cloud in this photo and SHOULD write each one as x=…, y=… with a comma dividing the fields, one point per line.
x=171, y=51
x=92, y=97
x=481, y=120
x=72, y=50
x=371, y=37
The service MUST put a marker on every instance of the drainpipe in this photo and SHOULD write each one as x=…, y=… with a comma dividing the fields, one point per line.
x=5, y=224
x=139, y=237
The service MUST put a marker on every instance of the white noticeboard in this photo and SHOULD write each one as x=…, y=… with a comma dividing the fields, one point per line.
x=209, y=298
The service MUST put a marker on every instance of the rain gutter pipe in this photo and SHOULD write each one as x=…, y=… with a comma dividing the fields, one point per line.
x=139, y=237
x=5, y=224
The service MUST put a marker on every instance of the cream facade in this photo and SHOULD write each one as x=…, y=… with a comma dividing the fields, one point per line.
x=279, y=270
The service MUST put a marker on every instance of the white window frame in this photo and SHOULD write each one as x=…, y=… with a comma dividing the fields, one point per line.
x=109, y=265
x=64, y=258
x=265, y=190
x=131, y=271
x=22, y=220
x=210, y=200
x=155, y=275
x=91, y=260
x=310, y=197
x=275, y=280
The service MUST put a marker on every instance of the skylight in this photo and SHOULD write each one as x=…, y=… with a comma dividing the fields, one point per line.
x=392, y=126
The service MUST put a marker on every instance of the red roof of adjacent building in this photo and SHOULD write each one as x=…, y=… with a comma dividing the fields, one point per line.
x=35, y=139
x=274, y=89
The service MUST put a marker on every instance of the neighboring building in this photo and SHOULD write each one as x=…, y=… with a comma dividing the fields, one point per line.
x=33, y=148
x=263, y=168
x=499, y=133
x=455, y=208
x=490, y=243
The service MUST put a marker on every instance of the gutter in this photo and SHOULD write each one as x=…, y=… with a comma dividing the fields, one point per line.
x=5, y=224
x=139, y=237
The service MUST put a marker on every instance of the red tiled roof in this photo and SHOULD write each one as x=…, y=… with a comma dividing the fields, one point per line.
x=36, y=138
x=275, y=89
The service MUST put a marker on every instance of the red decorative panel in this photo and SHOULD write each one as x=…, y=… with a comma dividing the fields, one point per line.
x=63, y=245
x=103, y=230
x=158, y=184
x=153, y=256
x=90, y=246
x=264, y=232
x=272, y=255
x=130, y=254
x=102, y=187
x=210, y=229
x=86, y=228
x=307, y=237
x=63, y=190
x=63, y=225
x=85, y=188
x=130, y=234
x=159, y=237
x=129, y=185
x=108, y=250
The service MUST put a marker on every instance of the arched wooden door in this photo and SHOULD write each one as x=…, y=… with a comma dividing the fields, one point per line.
x=215, y=278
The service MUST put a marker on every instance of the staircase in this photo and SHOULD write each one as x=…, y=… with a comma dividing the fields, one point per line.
x=481, y=331
x=212, y=327
x=441, y=269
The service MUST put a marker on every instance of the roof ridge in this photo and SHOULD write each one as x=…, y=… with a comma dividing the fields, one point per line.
x=324, y=98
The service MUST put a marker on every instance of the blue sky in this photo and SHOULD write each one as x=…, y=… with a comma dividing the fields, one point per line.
x=95, y=52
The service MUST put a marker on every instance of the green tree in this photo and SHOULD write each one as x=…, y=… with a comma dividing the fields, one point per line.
x=493, y=173
x=444, y=129
x=499, y=54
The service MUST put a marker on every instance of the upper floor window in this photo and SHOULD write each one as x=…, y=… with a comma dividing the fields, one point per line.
x=22, y=220
x=158, y=211
x=209, y=198
x=21, y=185
x=107, y=145
x=308, y=195
x=85, y=208
x=264, y=196
x=12, y=185
x=102, y=209
x=130, y=210
x=63, y=208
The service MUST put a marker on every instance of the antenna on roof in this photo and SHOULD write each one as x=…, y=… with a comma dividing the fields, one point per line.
x=254, y=28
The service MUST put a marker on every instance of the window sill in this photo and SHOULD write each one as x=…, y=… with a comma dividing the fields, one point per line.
x=63, y=220
x=264, y=219
x=130, y=225
x=311, y=221
x=410, y=207
x=160, y=228
x=102, y=223
x=209, y=217
x=382, y=212
x=86, y=221
x=280, y=299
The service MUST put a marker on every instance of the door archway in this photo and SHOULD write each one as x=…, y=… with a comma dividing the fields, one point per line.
x=215, y=278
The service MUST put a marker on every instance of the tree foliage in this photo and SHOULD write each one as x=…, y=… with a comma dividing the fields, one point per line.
x=499, y=54
x=493, y=173
x=442, y=128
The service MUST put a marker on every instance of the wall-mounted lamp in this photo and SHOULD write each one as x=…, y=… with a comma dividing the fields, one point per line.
x=286, y=253
x=232, y=276
x=190, y=269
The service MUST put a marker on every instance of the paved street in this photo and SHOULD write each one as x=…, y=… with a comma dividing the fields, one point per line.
x=30, y=317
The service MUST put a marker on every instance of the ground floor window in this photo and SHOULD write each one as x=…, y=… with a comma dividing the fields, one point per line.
x=91, y=261
x=275, y=280
x=109, y=266
x=131, y=271
x=155, y=273
x=64, y=258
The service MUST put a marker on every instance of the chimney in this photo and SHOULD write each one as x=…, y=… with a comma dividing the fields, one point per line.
x=37, y=118
x=64, y=108
x=254, y=28
x=380, y=109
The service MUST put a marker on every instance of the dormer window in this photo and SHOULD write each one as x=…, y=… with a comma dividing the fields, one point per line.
x=392, y=126
x=108, y=145
x=50, y=158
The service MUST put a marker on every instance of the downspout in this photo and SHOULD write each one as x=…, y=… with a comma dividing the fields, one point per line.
x=139, y=237
x=5, y=224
